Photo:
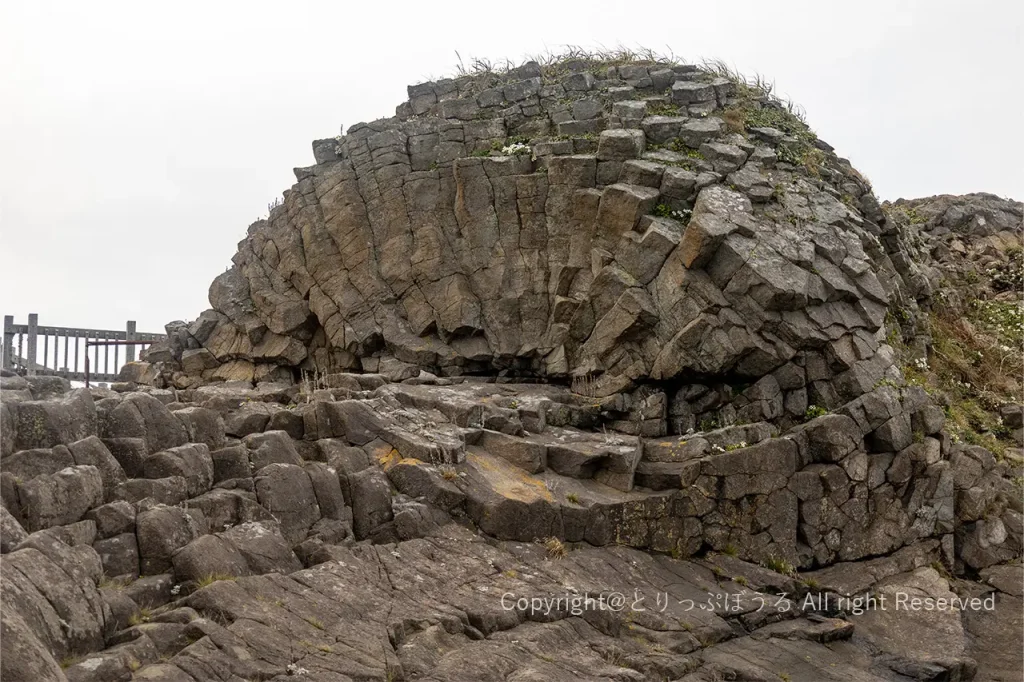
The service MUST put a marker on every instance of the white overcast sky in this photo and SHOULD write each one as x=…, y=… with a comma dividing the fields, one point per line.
x=138, y=140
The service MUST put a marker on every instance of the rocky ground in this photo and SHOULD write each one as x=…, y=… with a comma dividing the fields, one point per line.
x=584, y=371
x=386, y=531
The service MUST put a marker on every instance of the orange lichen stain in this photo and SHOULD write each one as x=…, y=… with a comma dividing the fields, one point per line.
x=387, y=457
x=510, y=481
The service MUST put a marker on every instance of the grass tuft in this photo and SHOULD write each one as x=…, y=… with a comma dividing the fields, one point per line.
x=556, y=549
x=211, y=578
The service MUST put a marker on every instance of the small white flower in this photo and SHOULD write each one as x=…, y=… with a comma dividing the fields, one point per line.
x=176, y=590
x=515, y=149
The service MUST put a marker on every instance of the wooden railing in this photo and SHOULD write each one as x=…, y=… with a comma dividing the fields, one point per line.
x=65, y=350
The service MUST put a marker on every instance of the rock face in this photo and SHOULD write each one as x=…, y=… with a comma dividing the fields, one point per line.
x=591, y=361
x=566, y=233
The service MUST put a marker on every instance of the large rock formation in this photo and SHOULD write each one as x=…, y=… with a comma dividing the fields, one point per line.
x=631, y=224
x=586, y=372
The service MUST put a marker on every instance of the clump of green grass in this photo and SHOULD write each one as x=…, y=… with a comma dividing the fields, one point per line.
x=779, y=565
x=813, y=412
x=906, y=213
x=662, y=109
x=573, y=498
x=708, y=424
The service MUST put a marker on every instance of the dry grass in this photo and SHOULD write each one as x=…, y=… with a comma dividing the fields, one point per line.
x=210, y=579
x=977, y=348
x=556, y=548
x=553, y=62
x=735, y=120
x=753, y=88
x=976, y=366
x=585, y=385
x=141, y=616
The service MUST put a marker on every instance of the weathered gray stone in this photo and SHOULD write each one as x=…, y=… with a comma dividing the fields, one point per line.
x=46, y=423
x=271, y=447
x=191, y=462
x=119, y=554
x=286, y=492
x=371, y=501
x=208, y=557
x=524, y=454
x=11, y=532
x=202, y=425
x=170, y=490
x=113, y=518
x=140, y=415
x=264, y=548
x=61, y=498
x=27, y=464
x=162, y=531
x=691, y=92
x=92, y=451
x=620, y=144
x=129, y=453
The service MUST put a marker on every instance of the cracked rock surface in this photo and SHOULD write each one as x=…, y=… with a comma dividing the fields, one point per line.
x=591, y=371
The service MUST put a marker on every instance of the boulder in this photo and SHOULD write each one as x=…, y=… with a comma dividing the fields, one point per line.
x=129, y=453
x=171, y=490
x=208, y=557
x=230, y=462
x=92, y=451
x=46, y=423
x=161, y=532
x=271, y=447
x=61, y=498
x=11, y=531
x=285, y=490
x=226, y=508
x=27, y=464
x=140, y=415
x=113, y=519
x=55, y=592
x=371, y=501
x=119, y=554
x=264, y=548
x=191, y=462
x=202, y=425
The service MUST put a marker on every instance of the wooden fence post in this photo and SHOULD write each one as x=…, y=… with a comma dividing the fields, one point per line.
x=129, y=335
x=8, y=342
x=33, y=325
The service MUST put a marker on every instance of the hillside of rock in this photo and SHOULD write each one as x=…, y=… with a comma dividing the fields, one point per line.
x=527, y=224
x=595, y=370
